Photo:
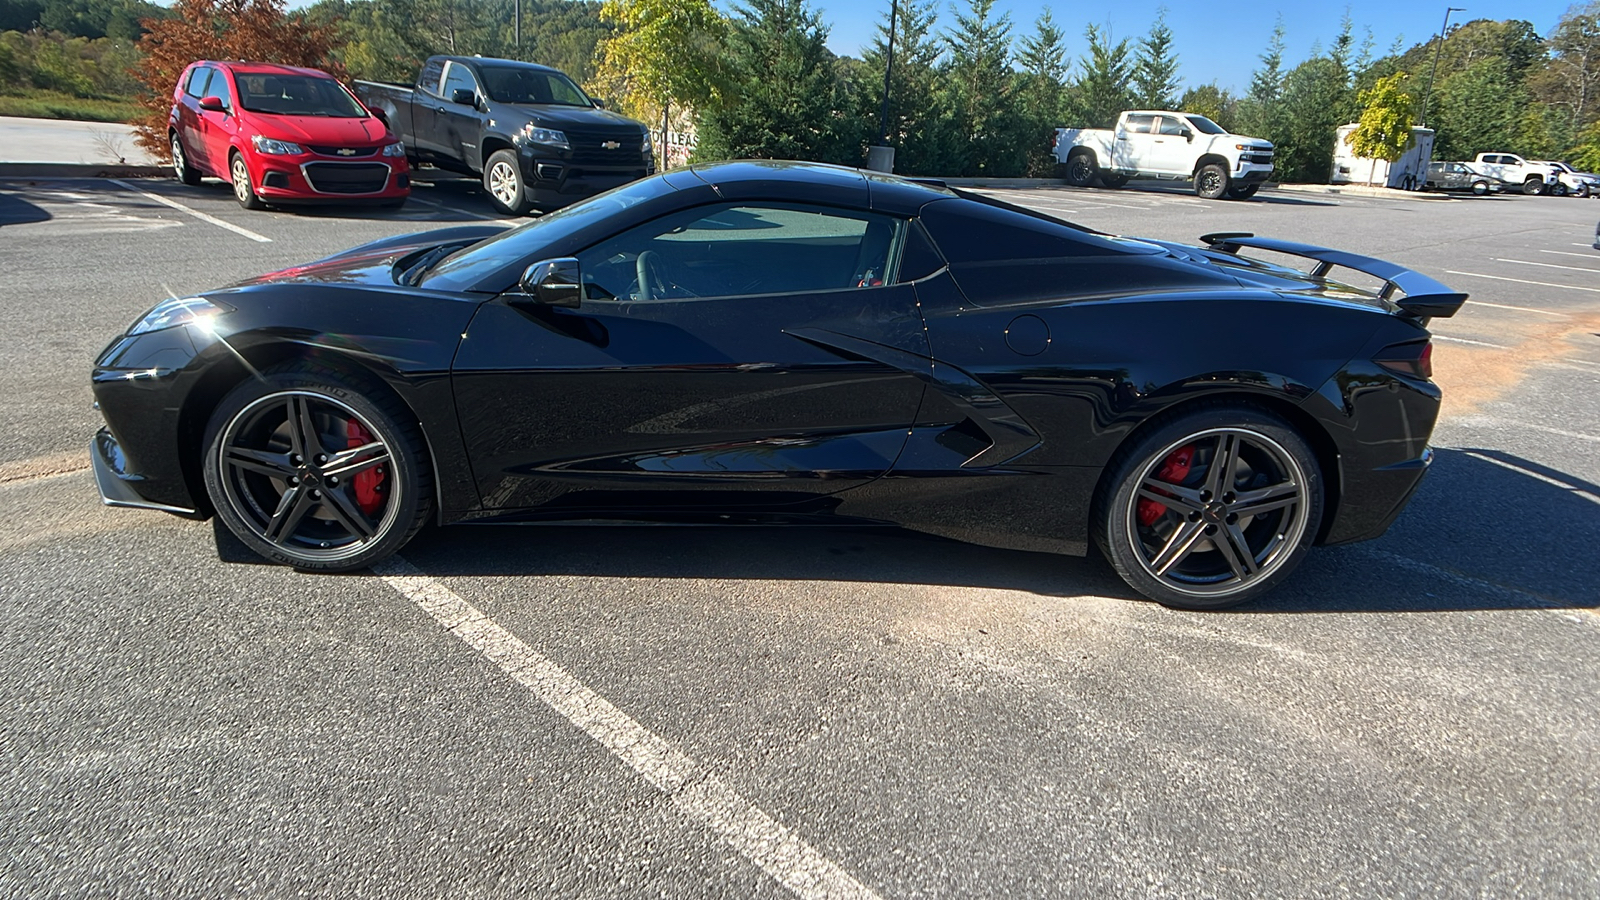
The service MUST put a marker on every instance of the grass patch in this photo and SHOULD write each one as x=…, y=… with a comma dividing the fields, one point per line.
x=52, y=105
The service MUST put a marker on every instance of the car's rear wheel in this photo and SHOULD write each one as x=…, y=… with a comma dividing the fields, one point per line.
x=1210, y=509
x=1533, y=186
x=243, y=190
x=1481, y=188
x=502, y=179
x=1081, y=169
x=312, y=468
x=1211, y=181
x=180, y=163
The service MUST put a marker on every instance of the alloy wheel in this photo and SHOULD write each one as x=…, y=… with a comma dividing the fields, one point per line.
x=308, y=474
x=1217, y=512
x=1210, y=182
x=503, y=184
x=179, y=163
x=241, y=179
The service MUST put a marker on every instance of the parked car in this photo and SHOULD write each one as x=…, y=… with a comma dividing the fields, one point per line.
x=1459, y=176
x=533, y=136
x=1571, y=182
x=1535, y=178
x=282, y=134
x=1172, y=146
x=797, y=343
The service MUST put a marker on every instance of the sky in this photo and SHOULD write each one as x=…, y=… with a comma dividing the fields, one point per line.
x=1214, y=42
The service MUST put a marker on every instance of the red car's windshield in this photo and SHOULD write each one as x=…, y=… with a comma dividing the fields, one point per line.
x=296, y=95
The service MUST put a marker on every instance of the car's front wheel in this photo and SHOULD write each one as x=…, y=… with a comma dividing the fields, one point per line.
x=1533, y=186
x=1211, y=181
x=243, y=190
x=316, y=469
x=502, y=179
x=1210, y=509
x=1480, y=188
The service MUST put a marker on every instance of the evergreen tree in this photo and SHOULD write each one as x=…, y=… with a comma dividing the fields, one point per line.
x=1259, y=112
x=1042, y=94
x=782, y=99
x=1155, y=71
x=1312, y=107
x=1478, y=110
x=1105, y=86
x=921, y=125
x=980, y=82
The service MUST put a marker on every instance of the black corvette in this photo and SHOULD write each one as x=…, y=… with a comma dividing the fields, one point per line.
x=787, y=342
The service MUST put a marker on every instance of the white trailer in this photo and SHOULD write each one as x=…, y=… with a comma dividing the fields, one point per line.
x=1406, y=173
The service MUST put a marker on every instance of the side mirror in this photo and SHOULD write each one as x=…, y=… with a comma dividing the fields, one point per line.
x=554, y=282
x=1188, y=135
x=598, y=103
x=464, y=97
x=213, y=104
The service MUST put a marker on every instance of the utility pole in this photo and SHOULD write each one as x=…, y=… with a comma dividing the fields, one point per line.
x=516, y=29
x=1434, y=69
x=881, y=157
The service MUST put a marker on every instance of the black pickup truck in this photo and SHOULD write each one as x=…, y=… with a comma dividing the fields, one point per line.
x=537, y=140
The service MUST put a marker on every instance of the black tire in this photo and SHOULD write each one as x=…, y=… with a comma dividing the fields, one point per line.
x=1242, y=191
x=502, y=181
x=1164, y=543
x=1581, y=192
x=239, y=177
x=1480, y=188
x=1211, y=181
x=1558, y=190
x=1112, y=181
x=1533, y=187
x=370, y=493
x=180, y=162
x=1081, y=169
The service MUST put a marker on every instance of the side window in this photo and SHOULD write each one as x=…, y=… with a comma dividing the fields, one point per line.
x=197, y=81
x=739, y=250
x=458, y=78
x=1141, y=124
x=429, y=79
x=919, y=259
x=1172, y=126
x=218, y=87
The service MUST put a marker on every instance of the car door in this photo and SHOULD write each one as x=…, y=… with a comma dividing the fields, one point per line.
x=425, y=106
x=714, y=363
x=190, y=130
x=457, y=125
x=217, y=128
x=1134, y=143
x=1169, y=150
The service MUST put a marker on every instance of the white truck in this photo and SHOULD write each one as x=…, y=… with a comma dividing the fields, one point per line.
x=1535, y=177
x=1172, y=146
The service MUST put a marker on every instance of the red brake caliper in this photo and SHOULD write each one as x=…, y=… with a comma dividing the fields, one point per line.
x=1174, y=469
x=365, y=481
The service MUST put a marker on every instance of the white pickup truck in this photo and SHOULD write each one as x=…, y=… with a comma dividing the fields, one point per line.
x=1535, y=177
x=1175, y=146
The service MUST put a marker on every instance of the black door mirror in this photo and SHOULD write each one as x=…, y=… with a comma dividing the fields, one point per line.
x=598, y=103
x=1188, y=135
x=464, y=97
x=554, y=282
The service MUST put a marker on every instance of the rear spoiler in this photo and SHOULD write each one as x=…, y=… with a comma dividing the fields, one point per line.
x=1424, y=297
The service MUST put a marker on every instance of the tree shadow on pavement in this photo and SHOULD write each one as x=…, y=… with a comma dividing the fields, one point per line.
x=16, y=211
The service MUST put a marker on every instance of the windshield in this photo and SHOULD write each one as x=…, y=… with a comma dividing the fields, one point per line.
x=1206, y=126
x=297, y=95
x=521, y=84
x=529, y=243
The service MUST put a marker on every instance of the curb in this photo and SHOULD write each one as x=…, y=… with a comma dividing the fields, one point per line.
x=1361, y=190
x=997, y=182
x=79, y=170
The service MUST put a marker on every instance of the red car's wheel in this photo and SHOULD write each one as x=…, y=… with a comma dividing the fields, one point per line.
x=243, y=190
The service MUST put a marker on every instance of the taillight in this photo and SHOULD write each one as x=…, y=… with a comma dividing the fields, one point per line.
x=1414, y=358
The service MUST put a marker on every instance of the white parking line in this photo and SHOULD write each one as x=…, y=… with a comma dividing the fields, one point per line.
x=1542, y=312
x=1580, y=614
x=1456, y=340
x=1536, y=475
x=1570, y=287
x=465, y=212
x=193, y=212
x=702, y=795
x=1589, y=255
x=1524, y=262
x=1492, y=421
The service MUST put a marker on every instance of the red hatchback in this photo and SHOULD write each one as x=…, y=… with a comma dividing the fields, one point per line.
x=281, y=134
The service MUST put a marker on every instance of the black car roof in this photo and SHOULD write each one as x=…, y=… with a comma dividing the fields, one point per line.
x=818, y=183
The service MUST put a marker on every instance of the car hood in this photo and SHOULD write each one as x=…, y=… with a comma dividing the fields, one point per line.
x=1251, y=142
x=374, y=263
x=322, y=130
x=577, y=117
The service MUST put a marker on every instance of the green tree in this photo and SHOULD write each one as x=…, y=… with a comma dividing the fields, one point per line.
x=921, y=124
x=1586, y=152
x=1155, y=69
x=1311, y=111
x=1104, y=87
x=1215, y=103
x=664, y=53
x=1259, y=112
x=1384, y=129
x=782, y=99
x=1478, y=110
x=1041, y=92
x=980, y=80
x=1572, y=80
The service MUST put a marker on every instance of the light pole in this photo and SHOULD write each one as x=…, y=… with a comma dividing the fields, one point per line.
x=881, y=157
x=1434, y=69
x=517, y=29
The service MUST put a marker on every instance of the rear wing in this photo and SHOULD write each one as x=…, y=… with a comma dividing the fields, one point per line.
x=1424, y=297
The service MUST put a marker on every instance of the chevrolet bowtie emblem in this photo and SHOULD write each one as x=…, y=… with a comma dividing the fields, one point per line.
x=345, y=151
x=611, y=145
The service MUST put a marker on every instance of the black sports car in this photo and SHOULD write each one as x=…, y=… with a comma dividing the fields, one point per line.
x=789, y=342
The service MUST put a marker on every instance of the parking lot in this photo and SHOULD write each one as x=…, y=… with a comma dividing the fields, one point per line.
x=630, y=711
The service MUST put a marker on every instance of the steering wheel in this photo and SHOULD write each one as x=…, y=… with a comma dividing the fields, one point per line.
x=647, y=270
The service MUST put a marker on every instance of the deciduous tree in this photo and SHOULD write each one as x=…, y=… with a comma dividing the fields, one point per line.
x=1384, y=129
x=663, y=53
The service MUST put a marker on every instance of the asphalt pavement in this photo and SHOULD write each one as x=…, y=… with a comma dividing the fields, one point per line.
x=625, y=712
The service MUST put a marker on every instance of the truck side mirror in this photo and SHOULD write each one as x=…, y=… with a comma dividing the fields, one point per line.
x=1188, y=135
x=554, y=282
x=464, y=97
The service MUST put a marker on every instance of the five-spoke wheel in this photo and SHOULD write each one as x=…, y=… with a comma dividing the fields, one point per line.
x=309, y=472
x=1211, y=509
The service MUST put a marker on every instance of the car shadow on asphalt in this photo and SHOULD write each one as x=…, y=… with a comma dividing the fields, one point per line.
x=1478, y=536
x=14, y=210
